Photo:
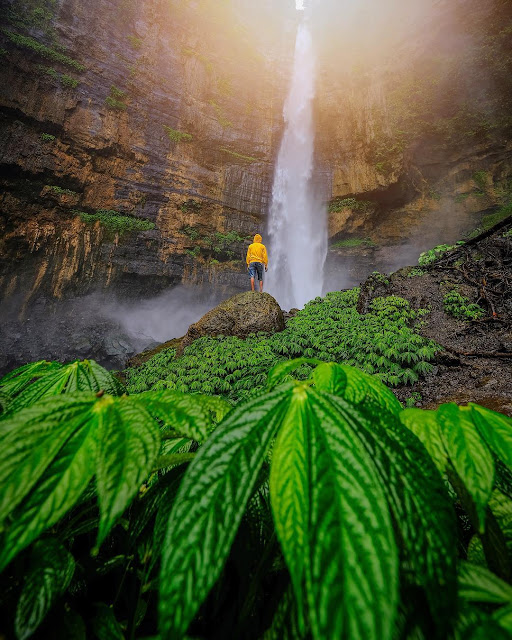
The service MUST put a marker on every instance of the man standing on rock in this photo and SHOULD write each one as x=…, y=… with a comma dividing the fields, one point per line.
x=256, y=260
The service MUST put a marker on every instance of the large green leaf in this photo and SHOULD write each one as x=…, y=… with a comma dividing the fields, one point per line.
x=281, y=371
x=50, y=452
x=188, y=415
x=128, y=444
x=478, y=584
x=355, y=386
x=333, y=520
x=504, y=618
x=468, y=454
x=425, y=426
x=14, y=382
x=77, y=376
x=58, y=489
x=421, y=508
x=105, y=624
x=31, y=439
x=50, y=572
x=496, y=430
x=210, y=505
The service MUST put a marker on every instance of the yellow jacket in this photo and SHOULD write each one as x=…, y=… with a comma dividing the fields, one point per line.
x=257, y=252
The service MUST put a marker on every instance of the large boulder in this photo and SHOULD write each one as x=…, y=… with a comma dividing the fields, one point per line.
x=240, y=316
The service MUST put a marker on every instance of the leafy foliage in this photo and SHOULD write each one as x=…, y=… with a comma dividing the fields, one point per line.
x=177, y=136
x=350, y=524
x=115, y=221
x=429, y=257
x=26, y=42
x=460, y=307
x=339, y=204
x=383, y=342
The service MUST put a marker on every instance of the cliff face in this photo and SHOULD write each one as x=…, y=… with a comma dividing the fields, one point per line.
x=173, y=119
x=414, y=133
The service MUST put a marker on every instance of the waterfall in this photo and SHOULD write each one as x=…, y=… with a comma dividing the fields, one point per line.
x=297, y=219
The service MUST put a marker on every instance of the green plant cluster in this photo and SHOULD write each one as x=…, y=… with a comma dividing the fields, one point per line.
x=480, y=178
x=115, y=221
x=460, y=307
x=350, y=243
x=415, y=272
x=152, y=371
x=63, y=78
x=33, y=14
x=319, y=509
x=135, y=42
x=115, y=99
x=383, y=342
x=189, y=206
x=239, y=155
x=429, y=257
x=45, y=52
x=216, y=244
x=507, y=234
x=59, y=190
x=221, y=119
x=339, y=204
x=177, y=136
x=47, y=137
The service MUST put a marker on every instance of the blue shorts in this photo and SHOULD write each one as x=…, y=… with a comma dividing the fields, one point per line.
x=256, y=268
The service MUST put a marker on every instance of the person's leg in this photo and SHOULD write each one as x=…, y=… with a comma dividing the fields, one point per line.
x=252, y=284
x=261, y=285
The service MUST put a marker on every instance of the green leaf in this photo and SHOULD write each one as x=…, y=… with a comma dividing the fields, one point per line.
x=468, y=454
x=281, y=371
x=189, y=415
x=496, y=430
x=478, y=584
x=425, y=426
x=14, y=382
x=332, y=519
x=360, y=388
x=58, y=489
x=50, y=572
x=105, y=625
x=30, y=441
x=427, y=533
x=128, y=444
x=77, y=376
x=503, y=617
x=210, y=505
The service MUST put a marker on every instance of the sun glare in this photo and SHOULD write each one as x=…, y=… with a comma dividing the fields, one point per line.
x=299, y=5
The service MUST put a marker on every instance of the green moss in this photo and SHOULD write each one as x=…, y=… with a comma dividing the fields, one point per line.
x=177, y=136
x=47, y=137
x=224, y=122
x=115, y=221
x=490, y=220
x=353, y=242
x=460, y=197
x=239, y=155
x=135, y=42
x=339, y=204
x=117, y=105
x=25, y=42
x=60, y=191
x=480, y=178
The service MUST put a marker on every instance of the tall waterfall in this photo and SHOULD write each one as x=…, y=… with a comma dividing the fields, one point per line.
x=297, y=219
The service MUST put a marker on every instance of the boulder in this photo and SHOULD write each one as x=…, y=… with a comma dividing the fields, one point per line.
x=240, y=316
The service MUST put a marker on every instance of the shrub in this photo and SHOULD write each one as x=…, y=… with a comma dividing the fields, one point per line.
x=115, y=99
x=47, y=137
x=60, y=191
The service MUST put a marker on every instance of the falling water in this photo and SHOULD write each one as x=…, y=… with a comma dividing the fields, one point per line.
x=297, y=220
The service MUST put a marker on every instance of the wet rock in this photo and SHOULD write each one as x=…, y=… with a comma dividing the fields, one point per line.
x=239, y=316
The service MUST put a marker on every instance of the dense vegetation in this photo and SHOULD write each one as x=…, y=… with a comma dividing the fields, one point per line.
x=318, y=509
x=385, y=341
